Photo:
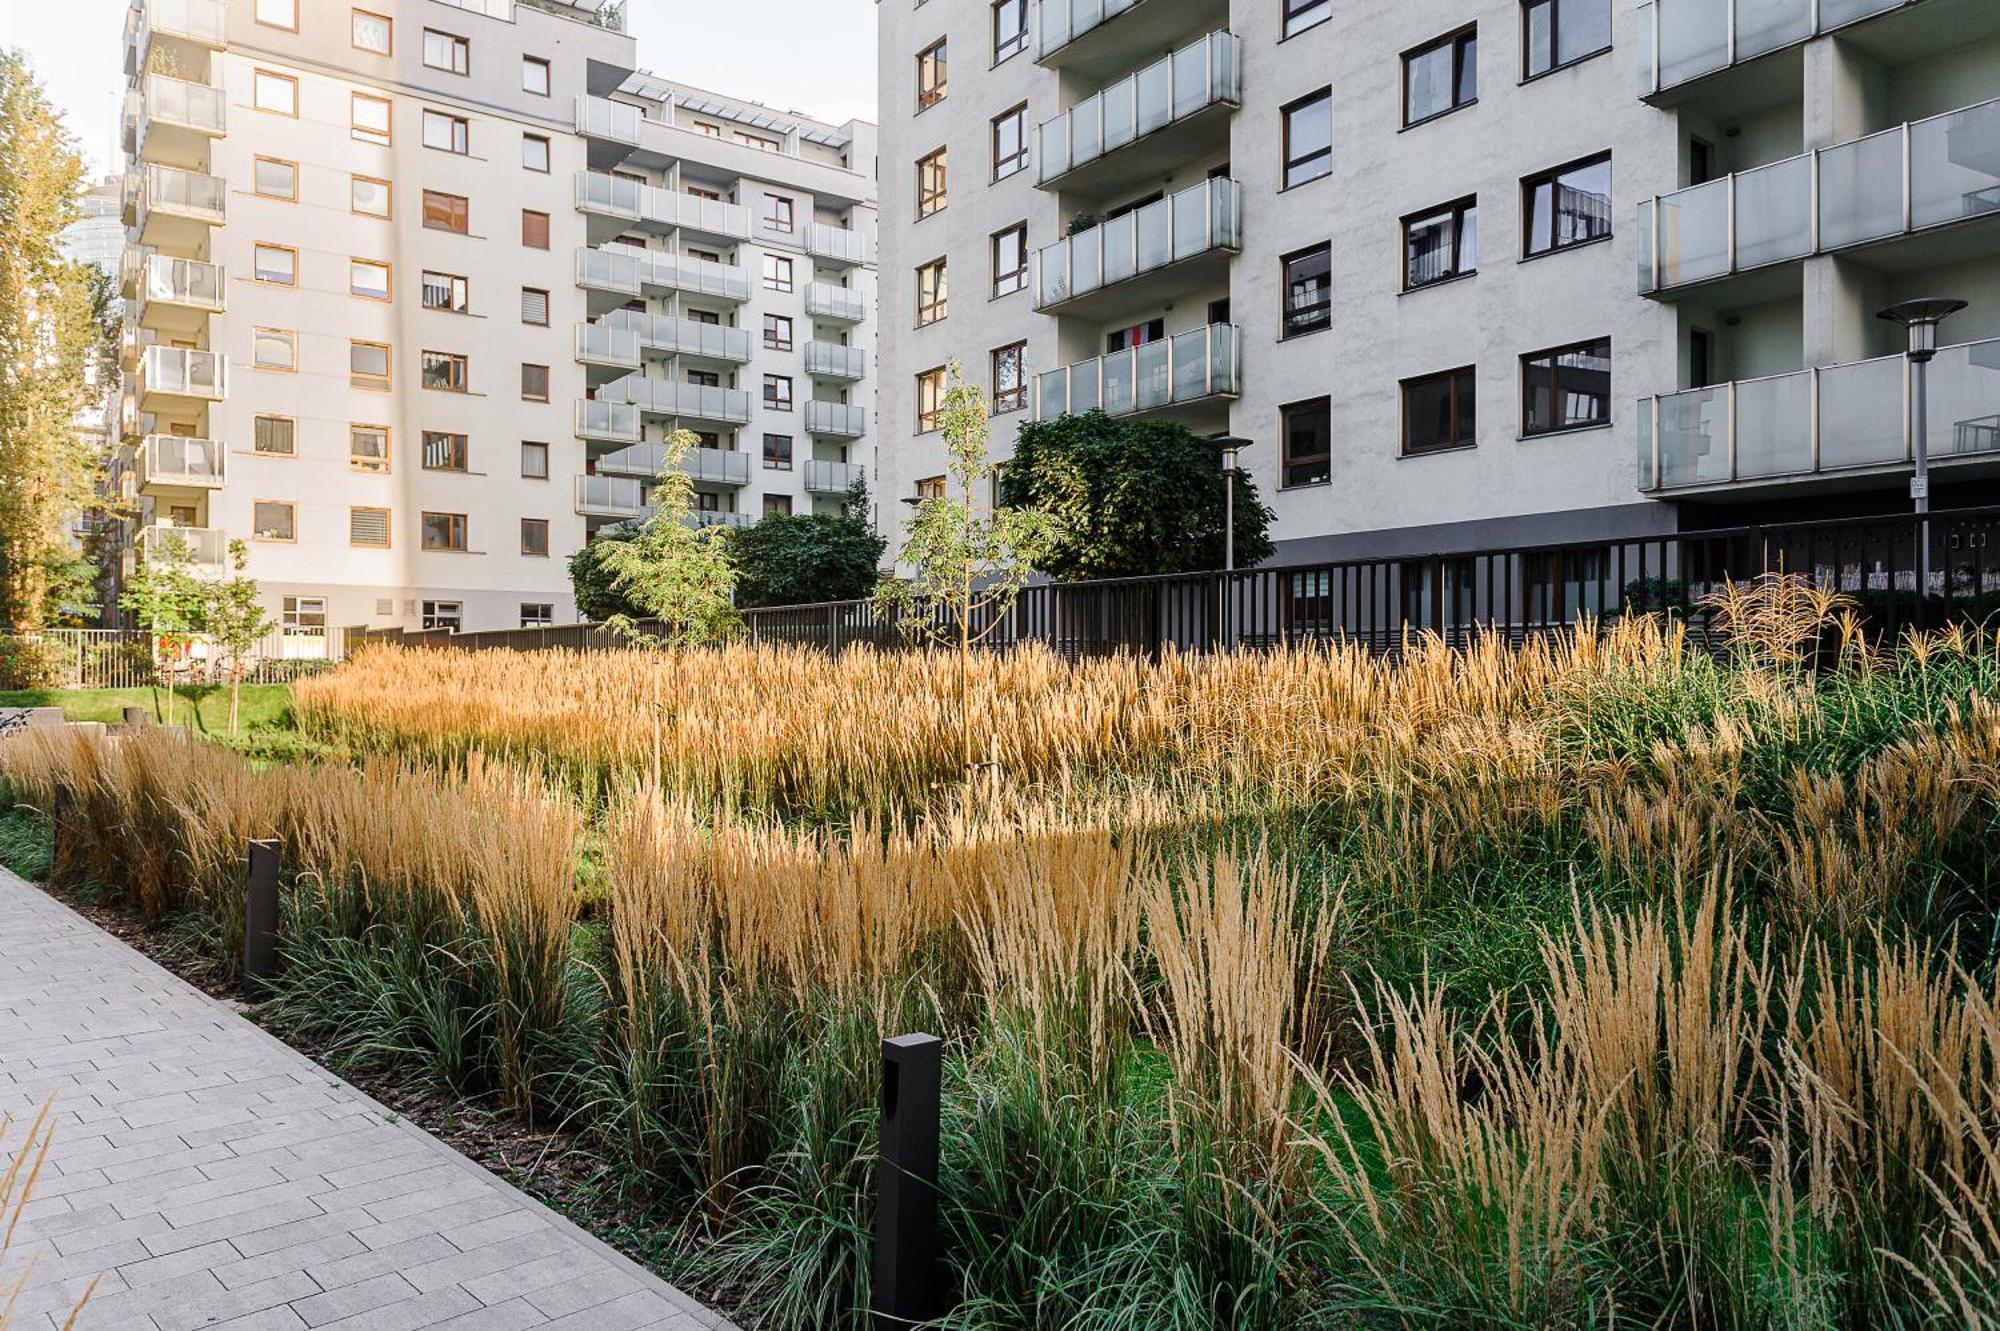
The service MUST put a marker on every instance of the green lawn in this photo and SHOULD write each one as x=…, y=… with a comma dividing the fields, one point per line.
x=266, y=708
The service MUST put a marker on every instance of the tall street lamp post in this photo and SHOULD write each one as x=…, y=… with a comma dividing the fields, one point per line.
x=1229, y=446
x=1920, y=319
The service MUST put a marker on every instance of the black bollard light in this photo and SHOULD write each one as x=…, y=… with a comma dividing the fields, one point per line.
x=260, y=917
x=909, y=1276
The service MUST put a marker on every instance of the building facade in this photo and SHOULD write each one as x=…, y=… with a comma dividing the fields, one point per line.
x=378, y=327
x=1466, y=273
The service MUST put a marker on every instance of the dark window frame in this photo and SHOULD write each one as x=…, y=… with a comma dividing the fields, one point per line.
x=1460, y=378
x=939, y=305
x=1322, y=314
x=1545, y=361
x=1458, y=209
x=1552, y=178
x=1464, y=44
x=1313, y=12
x=933, y=73
x=1016, y=398
x=1290, y=463
x=1017, y=161
x=779, y=459
x=1291, y=164
x=1018, y=276
x=1007, y=48
x=933, y=182
x=1556, y=65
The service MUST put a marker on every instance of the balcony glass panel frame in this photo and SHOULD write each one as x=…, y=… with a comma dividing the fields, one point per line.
x=1207, y=72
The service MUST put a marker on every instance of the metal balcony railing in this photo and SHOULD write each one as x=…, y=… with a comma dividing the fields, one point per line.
x=833, y=478
x=610, y=497
x=1682, y=40
x=1818, y=422
x=1925, y=174
x=1205, y=218
x=188, y=463
x=190, y=282
x=1206, y=73
x=830, y=360
x=665, y=335
x=1200, y=363
x=183, y=372
x=835, y=304
x=836, y=420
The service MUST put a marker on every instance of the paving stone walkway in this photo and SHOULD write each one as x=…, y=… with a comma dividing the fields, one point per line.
x=218, y=1178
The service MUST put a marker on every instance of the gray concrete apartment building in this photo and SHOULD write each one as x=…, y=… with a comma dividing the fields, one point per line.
x=1468, y=273
x=416, y=288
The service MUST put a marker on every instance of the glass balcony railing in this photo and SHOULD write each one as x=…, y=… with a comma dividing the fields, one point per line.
x=190, y=463
x=1063, y=21
x=661, y=397
x=1190, y=367
x=1928, y=173
x=171, y=281
x=168, y=189
x=607, y=421
x=664, y=335
x=599, y=344
x=601, y=118
x=835, y=304
x=609, y=269
x=1819, y=422
x=836, y=420
x=1196, y=221
x=629, y=200
x=712, y=517
x=836, y=244
x=183, y=372
x=205, y=547
x=830, y=360
x=716, y=466
x=193, y=106
x=634, y=272
x=1682, y=40
x=610, y=496
x=833, y=478
x=204, y=22
x=1206, y=73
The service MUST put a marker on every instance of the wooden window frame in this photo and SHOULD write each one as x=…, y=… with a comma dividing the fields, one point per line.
x=1016, y=162
x=1458, y=209
x=933, y=199
x=1459, y=41
x=1528, y=72
x=382, y=138
x=1285, y=313
x=548, y=306
x=938, y=307
x=1287, y=461
x=258, y=19
x=933, y=74
x=548, y=165
x=258, y=420
x=1553, y=178
x=459, y=361
x=371, y=466
x=1549, y=355
x=542, y=475
x=1467, y=375
x=388, y=296
x=257, y=75
x=1019, y=276
x=547, y=544
x=548, y=383
x=548, y=230
x=772, y=401
x=256, y=273
x=263, y=160
x=930, y=422
x=788, y=341
x=461, y=131
x=388, y=191
x=458, y=285
x=1287, y=163
x=1012, y=46
x=460, y=47
x=548, y=68
x=357, y=12
x=291, y=339
x=788, y=223
x=368, y=382
x=790, y=458
x=1017, y=398
x=388, y=527
x=462, y=208
x=290, y=505
x=460, y=527
x=779, y=263
x=459, y=445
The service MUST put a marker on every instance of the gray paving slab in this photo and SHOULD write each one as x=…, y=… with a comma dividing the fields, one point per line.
x=213, y=1176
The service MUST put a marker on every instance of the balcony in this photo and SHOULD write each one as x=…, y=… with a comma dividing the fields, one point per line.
x=177, y=296
x=661, y=397
x=606, y=353
x=608, y=422
x=612, y=205
x=1173, y=245
x=837, y=246
x=172, y=208
x=172, y=121
x=1838, y=422
x=610, y=498
x=831, y=361
x=190, y=28
x=616, y=274
x=833, y=478
x=703, y=466
x=1110, y=141
x=1684, y=40
x=1912, y=179
x=176, y=378
x=708, y=517
x=207, y=549
x=169, y=462
x=610, y=130
x=1085, y=38
x=663, y=335
x=1199, y=368
x=836, y=420
x=832, y=304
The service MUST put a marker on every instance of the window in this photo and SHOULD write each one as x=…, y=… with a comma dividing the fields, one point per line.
x=1567, y=388
x=534, y=153
x=777, y=452
x=930, y=183
x=534, y=307
x=537, y=614
x=370, y=119
x=535, y=537
x=1441, y=76
x=274, y=349
x=447, y=212
x=368, y=448
x=778, y=332
x=778, y=213
x=368, y=528
x=373, y=33
x=446, y=371
x=279, y=14
x=1308, y=126
x=777, y=392
x=443, y=50
x=534, y=461
x=444, y=531
x=274, y=520
x=1010, y=260
x=276, y=264
x=1568, y=206
x=534, y=383
x=534, y=230
x=1010, y=142
x=1438, y=412
x=930, y=402
x=704, y=378
x=1010, y=378
x=443, y=291
x=759, y=142
x=931, y=75
x=1561, y=32
x=304, y=614
x=931, y=293
x=777, y=273
x=1441, y=244
x=1303, y=14
x=275, y=179
x=535, y=76
x=1010, y=28
x=368, y=196
x=1135, y=335
x=447, y=133
x=444, y=451
x=447, y=615
x=368, y=365
x=777, y=506
x=368, y=279
x=275, y=92
x=931, y=487
x=1308, y=290
x=1307, y=442
x=275, y=436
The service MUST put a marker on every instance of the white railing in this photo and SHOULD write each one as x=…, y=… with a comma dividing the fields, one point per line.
x=837, y=244
x=601, y=118
x=830, y=360
x=1200, y=363
x=600, y=344
x=610, y=496
x=202, y=21
x=184, y=193
x=607, y=421
x=183, y=372
x=195, y=106
x=191, y=463
x=662, y=397
x=1928, y=173
x=1205, y=218
x=1206, y=73
x=716, y=466
x=836, y=304
x=837, y=420
x=183, y=282
x=1819, y=421
x=833, y=478
x=666, y=335
x=1681, y=40
x=632, y=201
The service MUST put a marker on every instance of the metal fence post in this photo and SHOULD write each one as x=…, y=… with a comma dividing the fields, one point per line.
x=908, y=1275
x=260, y=917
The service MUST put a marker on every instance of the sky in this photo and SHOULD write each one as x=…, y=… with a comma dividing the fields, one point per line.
x=815, y=56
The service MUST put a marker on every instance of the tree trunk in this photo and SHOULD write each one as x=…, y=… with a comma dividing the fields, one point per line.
x=235, y=689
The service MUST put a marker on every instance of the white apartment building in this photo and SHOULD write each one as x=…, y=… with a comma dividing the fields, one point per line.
x=370, y=331
x=1467, y=273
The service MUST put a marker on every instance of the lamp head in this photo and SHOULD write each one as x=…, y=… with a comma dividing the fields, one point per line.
x=1228, y=445
x=1920, y=318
